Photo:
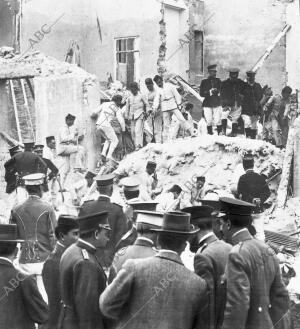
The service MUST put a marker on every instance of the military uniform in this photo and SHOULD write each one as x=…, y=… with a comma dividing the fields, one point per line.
x=256, y=295
x=210, y=90
x=209, y=263
x=116, y=219
x=82, y=281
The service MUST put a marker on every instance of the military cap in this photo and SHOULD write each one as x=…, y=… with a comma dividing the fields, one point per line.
x=92, y=222
x=9, y=233
x=200, y=179
x=104, y=180
x=233, y=70
x=49, y=138
x=130, y=184
x=38, y=146
x=151, y=164
x=90, y=174
x=150, y=217
x=212, y=67
x=70, y=116
x=34, y=179
x=250, y=73
x=67, y=221
x=148, y=81
x=199, y=213
x=145, y=205
x=215, y=204
x=230, y=206
x=28, y=143
x=13, y=150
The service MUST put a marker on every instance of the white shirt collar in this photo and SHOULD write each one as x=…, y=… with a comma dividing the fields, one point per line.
x=167, y=250
x=87, y=243
x=206, y=236
x=250, y=169
x=243, y=229
x=104, y=196
x=145, y=239
x=61, y=244
x=7, y=259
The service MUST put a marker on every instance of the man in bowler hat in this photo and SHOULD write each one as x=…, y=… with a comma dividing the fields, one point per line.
x=256, y=296
x=66, y=232
x=158, y=292
x=82, y=277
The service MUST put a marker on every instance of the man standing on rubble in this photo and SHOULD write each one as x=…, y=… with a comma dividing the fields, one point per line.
x=155, y=120
x=69, y=148
x=210, y=90
x=275, y=119
x=231, y=100
x=251, y=107
x=170, y=101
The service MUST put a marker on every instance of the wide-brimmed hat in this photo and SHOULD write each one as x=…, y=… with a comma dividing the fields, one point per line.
x=9, y=233
x=177, y=222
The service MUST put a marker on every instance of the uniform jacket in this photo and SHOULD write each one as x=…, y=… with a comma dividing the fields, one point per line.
x=82, y=280
x=167, y=98
x=142, y=248
x=256, y=295
x=36, y=221
x=252, y=185
x=252, y=97
x=23, y=163
x=157, y=292
x=21, y=304
x=127, y=239
x=231, y=91
x=205, y=87
x=116, y=219
x=209, y=263
x=50, y=276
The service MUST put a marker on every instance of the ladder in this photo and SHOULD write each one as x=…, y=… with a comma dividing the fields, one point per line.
x=22, y=97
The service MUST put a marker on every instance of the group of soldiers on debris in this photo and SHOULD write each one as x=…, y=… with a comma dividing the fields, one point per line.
x=119, y=265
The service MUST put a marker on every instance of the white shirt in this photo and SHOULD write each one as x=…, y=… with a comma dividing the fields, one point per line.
x=168, y=97
x=166, y=202
x=108, y=112
x=67, y=134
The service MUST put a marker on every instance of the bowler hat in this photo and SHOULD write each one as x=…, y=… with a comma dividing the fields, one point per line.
x=9, y=233
x=91, y=222
x=177, y=222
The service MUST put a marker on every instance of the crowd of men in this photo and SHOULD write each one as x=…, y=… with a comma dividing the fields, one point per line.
x=119, y=265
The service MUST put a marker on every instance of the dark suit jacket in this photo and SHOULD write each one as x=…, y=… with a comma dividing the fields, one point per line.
x=82, y=280
x=256, y=295
x=21, y=304
x=231, y=91
x=51, y=281
x=205, y=86
x=157, y=292
x=116, y=219
x=23, y=163
x=209, y=263
x=252, y=185
x=141, y=249
x=36, y=222
x=252, y=97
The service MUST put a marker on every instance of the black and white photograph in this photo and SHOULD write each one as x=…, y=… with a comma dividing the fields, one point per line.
x=149, y=164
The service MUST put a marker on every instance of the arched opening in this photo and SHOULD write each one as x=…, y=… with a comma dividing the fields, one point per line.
x=6, y=25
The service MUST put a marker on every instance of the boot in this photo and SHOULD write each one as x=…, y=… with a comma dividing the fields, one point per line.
x=219, y=129
x=253, y=133
x=224, y=126
x=248, y=132
x=234, y=130
x=210, y=130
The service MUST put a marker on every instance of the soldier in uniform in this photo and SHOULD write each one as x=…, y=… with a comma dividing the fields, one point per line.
x=231, y=100
x=66, y=232
x=81, y=188
x=20, y=165
x=210, y=90
x=144, y=245
x=36, y=222
x=256, y=297
x=116, y=217
x=82, y=276
x=210, y=261
x=21, y=304
x=251, y=107
x=131, y=235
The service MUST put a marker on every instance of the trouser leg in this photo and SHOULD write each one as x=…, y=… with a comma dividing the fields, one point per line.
x=208, y=115
x=167, y=116
x=139, y=131
x=254, y=120
x=158, y=126
x=276, y=132
x=247, y=125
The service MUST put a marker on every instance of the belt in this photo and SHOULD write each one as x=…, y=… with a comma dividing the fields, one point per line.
x=66, y=143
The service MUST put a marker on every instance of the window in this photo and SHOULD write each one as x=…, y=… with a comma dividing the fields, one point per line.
x=127, y=58
x=196, y=56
